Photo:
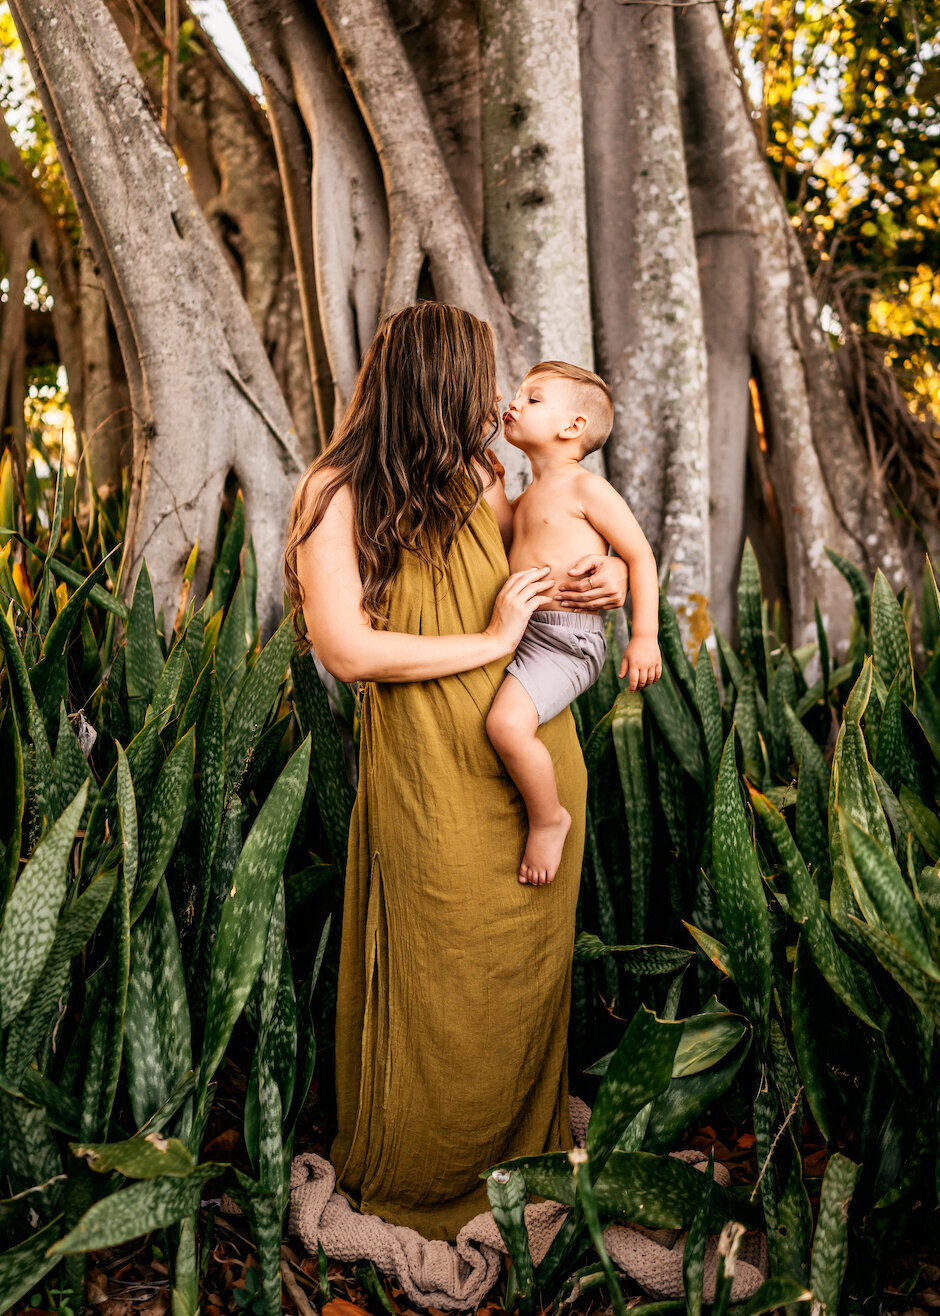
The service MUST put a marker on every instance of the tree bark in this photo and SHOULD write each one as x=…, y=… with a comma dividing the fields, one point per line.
x=742, y=225
x=645, y=290
x=204, y=396
x=535, y=234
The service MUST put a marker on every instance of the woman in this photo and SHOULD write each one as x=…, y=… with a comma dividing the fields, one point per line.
x=455, y=978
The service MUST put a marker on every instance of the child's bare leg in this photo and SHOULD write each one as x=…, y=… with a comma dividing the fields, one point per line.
x=511, y=725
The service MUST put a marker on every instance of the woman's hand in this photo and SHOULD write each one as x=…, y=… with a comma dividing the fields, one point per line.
x=596, y=584
x=515, y=604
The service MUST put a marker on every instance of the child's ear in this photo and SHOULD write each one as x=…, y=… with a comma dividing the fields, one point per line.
x=575, y=427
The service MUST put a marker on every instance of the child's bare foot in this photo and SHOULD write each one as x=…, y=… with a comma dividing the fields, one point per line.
x=543, y=850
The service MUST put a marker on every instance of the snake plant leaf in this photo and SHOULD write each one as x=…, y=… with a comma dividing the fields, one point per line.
x=264, y=1212
x=860, y=694
x=750, y=629
x=196, y=701
x=730, y=664
x=708, y=702
x=49, y=678
x=805, y=907
x=306, y=1036
x=255, y=699
x=62, y=1111
x=891, y=643
x=678, y=727
x=884, y=896
x=640, y=1068
x=144, y=657
x=706, y=1039
x=148, y=1156
x=211, y=757
x=506, y=1190
x=243, y=925
x=674, y=1110
x=627, y=732
x=160, y=829
x=597, y=742
x=748, y=722
x=22, y=1267
x=924, y=822
x=106, y=1000
x=741, y=898
x=812, y=799
x=75, y=926
x=775, y=1293
x=157, y=1045
x=136, y=1210
x=231, y=649
x=38, y=769
x=71, y=766
x=890, y=738
x=281, y=1041
x=782, y=697
x=581, y=1174
x=660, y=1192
x=921, y=988
x=127, y=813
x=673, y=650
x=861, y=591
x=693, y=1254
x=226, y=564
x=32, y=911
x=166, y=694
x=31, y=1151
x=929, y=608
x=716, y=951
x=830, y=1242
x=335, y=796
x=12, y=803
x=644, y=960
x=45, y=586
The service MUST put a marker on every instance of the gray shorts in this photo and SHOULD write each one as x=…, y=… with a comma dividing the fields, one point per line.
x=559, y=656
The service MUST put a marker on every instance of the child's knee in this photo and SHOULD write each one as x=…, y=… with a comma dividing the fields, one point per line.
x=510, y=721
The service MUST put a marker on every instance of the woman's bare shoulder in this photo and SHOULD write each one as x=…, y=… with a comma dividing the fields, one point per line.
x=315, y=481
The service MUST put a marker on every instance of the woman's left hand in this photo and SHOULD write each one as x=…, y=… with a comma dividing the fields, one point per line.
x=595, y=584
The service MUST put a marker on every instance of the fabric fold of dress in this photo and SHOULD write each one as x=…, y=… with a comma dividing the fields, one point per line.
x=455, y=978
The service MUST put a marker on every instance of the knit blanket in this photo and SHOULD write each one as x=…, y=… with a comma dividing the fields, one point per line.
x=457, y=1276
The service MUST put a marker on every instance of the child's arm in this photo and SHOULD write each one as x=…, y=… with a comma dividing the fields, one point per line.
x=612, y=518
x=495, y=495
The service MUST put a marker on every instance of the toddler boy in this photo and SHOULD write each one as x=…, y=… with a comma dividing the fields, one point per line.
x=559, y=415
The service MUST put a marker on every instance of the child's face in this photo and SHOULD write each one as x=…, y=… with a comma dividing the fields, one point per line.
x=539, y=413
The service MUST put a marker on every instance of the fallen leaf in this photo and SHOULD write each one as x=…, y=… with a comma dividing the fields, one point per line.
x=222, y=1142
x=340, y=1307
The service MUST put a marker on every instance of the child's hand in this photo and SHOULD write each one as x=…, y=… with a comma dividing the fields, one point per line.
x=643, y=661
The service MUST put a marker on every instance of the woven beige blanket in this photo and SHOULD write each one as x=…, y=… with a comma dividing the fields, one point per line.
x=457, y=1276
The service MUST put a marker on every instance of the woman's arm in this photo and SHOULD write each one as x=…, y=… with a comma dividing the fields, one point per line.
x=495, y=495
x=340, y=629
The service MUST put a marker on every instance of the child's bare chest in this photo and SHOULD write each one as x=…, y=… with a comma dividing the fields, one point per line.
x=551, y=528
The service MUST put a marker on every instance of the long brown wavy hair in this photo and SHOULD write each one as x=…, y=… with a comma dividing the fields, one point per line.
x=423, y=409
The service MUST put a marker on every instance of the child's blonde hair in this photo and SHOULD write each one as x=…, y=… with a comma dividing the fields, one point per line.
x=592, y=397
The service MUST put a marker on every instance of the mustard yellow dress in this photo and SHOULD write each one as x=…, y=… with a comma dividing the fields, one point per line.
x=455, y=978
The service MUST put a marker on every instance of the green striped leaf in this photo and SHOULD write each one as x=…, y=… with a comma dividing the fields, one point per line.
x=255, y=700
x=22, y=1267
x=627, y=731
x=741, y=899
x=584, y=1188
x=31, y=914
x=750, y=628
x=830, y=1242
x=884, y=896
x=231, y=649
x=146, y=1157
x=335, y=796
x=861, y=594
x=676, y=1109
x=679, y=729
x=12, y=803
x=806, y=909
x=660, y=1192
x=891, y=643
x=75, y=926
x=644, y=960
x=708, y=701
x=239, y=945
x=105, y=1002
x=162, y=822
x=715, y=950
x=810, y=1037
x=506, y=1190
x=156, y=1022
x=226, y=564
x=890, y=738
x=127, y=812
x=144, y=659
x=924, y=822
x=71, y=768
x=134, y=1211
x=693, y=1254
x=38, y=769
x=640, y=1068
